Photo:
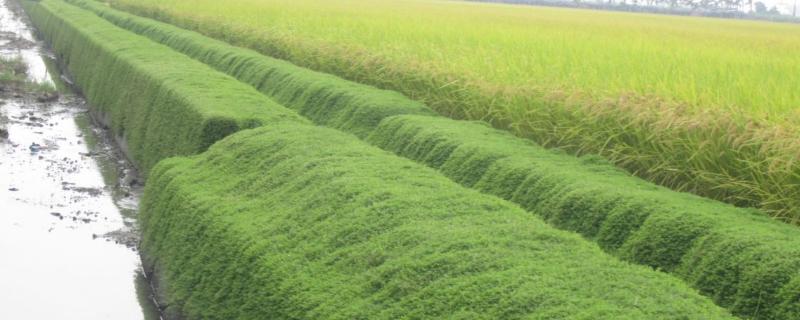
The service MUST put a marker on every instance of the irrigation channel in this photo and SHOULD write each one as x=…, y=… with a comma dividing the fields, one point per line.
x=68, y=200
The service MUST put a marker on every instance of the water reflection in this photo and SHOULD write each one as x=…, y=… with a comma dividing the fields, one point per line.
x=67, y=204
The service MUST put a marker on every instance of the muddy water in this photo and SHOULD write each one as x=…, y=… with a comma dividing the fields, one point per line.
x=67, y=203
x=17, y=40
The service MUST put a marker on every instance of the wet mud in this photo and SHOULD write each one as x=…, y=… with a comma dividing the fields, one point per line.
x=68, y=200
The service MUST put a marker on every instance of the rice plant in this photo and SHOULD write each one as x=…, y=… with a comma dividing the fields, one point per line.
x=696, y=104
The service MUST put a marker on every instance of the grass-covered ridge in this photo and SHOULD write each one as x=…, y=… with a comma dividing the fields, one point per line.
x=326, y=99
x=626, y=216
x=162, y=102
x=275, y=223
x=692, y=104
x=742, y=259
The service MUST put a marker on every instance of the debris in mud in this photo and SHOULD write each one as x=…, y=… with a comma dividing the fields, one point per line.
x=94, y=192
x=35, y=147
x=17, y=43
x=14, y=41
x=13, y=189
x=124, y=237
x=66, y=80
x=47, y=97
x=79, y=216
x=3, y=133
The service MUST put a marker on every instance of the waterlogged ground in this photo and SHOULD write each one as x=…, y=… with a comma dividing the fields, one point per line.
x=67, y=202
x=17, y=40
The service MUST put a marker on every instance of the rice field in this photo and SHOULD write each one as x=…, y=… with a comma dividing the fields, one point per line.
x=708, y=106
x=748, y=67
x=272, y=190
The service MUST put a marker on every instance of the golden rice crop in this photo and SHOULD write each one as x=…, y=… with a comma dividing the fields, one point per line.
x=704, y=105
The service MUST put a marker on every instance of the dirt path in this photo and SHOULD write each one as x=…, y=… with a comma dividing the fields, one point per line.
x=67, y=202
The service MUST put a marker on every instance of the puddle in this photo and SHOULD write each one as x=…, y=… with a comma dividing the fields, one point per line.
x=68, y=202
x=17, y=40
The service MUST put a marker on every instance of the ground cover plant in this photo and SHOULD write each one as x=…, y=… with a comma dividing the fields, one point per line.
x=12, y=71
x=626, y=216
x=14, y=77
x=275, y=223
x=161, y=102
x=326, y=99
x=743, y=260
x=701, y=105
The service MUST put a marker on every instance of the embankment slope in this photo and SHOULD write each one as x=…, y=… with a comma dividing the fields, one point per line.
x=275, y=223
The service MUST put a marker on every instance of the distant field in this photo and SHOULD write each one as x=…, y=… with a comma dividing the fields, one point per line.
x=703, y=105
x=747, y=66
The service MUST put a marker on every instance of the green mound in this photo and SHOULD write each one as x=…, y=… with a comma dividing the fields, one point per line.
x=742, y=259
x=162, y=102
x=323, y=98
x=273, y=223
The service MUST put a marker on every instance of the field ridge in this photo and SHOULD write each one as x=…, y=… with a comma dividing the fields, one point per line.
x=679, y=233
x=352, y=231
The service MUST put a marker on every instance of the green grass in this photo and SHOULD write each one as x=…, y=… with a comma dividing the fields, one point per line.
x=295, y=221
x=161, y=102
x=685, y=235
x=740, y=258
x=701, y=105
x=743, y=261
x=12, y=71
x=275, y=223
x=323, y=98
x=13, y=76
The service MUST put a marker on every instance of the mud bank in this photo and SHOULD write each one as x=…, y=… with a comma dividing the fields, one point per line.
x=68, y=199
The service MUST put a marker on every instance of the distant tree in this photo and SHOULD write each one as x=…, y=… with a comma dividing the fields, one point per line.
x=694, y=4
x=774, y=10
x=761, y=7
x=734, y=4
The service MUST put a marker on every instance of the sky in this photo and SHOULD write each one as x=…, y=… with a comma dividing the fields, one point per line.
x=785, y=6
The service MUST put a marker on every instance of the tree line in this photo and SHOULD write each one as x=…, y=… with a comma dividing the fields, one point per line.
x=741, y=9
